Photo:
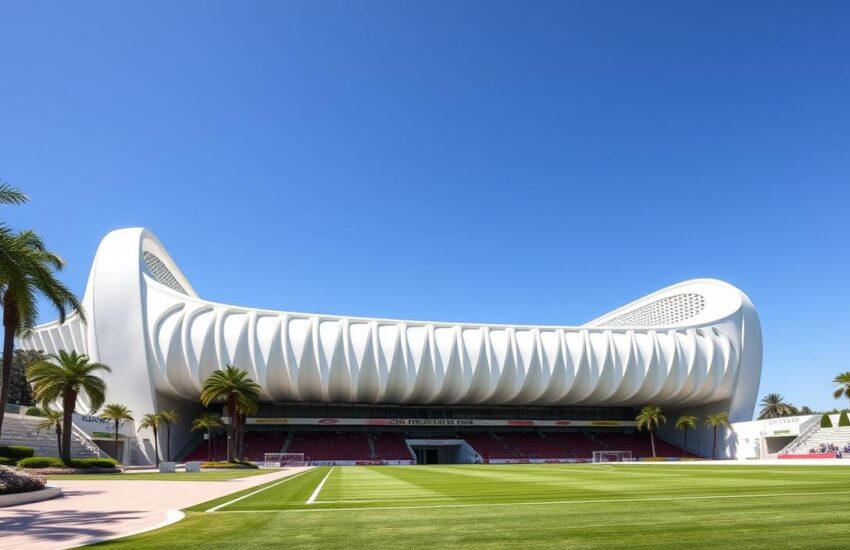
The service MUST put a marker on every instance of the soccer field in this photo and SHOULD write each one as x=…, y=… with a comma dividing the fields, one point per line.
x=526, y=506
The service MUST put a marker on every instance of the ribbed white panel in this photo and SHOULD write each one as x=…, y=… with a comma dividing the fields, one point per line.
x=332, y=359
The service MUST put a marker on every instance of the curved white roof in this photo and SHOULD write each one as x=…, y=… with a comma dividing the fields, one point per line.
x=690, y=344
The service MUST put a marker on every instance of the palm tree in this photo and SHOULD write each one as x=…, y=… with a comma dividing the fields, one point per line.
x=151, y=421
x=842, y=383
x=773, y=405
x=168, y=418
x=117, y=413
x=11, y=195
x=714, y=421
x=685, y=423
x=66, y=376
x=236, y=389
x=209, y=422
x=650, y=417
x=27, y=270
x=52, y=419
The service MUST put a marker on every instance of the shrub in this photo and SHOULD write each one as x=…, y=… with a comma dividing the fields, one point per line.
x=18, y=482
x=825, y=422
x=4, y=461
x=843, y=420
x=93, y=463
x=33, y=411
x=15, y=452
x=232, y=465
x=78, y=463
x=41, y=462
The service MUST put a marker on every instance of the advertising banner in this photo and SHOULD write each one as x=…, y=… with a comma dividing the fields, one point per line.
x=439, y=422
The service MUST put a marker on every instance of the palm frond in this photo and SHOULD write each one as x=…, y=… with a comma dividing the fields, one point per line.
x=11, y=195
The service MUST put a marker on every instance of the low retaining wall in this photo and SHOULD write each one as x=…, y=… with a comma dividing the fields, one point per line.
x=16, y=499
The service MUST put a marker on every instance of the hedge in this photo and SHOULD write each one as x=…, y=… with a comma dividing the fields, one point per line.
x=4, y=461
x=94, y=462
x=39, y=462
x=33, y=411
x=825, y=422
x=16, y=452
x=236, y=464
x=843, y=420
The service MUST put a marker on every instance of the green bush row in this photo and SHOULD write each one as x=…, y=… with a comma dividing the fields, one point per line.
x=15, y=452
x=236, y=464
x=4, y=461
x=53, y=462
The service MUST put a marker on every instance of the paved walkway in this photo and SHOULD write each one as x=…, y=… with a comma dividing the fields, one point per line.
x=93, y=510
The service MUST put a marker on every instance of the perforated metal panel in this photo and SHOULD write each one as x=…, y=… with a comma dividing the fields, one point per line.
x=663, y=312
x=161, y=273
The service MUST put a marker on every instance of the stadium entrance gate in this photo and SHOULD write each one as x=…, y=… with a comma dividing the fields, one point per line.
x=443, y=451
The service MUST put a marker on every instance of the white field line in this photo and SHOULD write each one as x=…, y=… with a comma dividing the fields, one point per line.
x=284, y=480
x=535, y=503
x=318, y=490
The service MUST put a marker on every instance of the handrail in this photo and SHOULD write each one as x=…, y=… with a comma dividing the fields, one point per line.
x=799, y=440
x=86, y=441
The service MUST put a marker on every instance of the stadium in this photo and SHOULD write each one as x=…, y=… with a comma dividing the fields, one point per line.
x=350, y=390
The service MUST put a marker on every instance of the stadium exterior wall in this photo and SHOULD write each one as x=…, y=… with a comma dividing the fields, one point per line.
x=692, y=347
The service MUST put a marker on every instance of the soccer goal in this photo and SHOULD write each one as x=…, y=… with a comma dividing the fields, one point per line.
x=279, y=460
x=612, y=456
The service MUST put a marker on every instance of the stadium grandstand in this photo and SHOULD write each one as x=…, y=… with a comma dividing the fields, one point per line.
x=350, y=390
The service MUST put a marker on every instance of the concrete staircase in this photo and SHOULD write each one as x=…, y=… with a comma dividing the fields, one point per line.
x=23, y=430
x=287, y=443
x=814, y=438
x=373, y=453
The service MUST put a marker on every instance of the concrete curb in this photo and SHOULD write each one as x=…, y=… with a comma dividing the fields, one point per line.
x=17, y=499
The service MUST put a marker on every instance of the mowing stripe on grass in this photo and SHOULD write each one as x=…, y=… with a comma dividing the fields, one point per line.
x=321, y=484
x=534, y=503
x=284, y=480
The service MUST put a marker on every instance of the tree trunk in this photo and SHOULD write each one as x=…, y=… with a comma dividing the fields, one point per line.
x=10, y=324
x=714, y=445
x=156, y=445
x=685, y=445
x=241, y=437
x=238, y=451
x=59, y=438
x=69, y=403
x=231, y=440
x=168, y=443
x=209, y=445
x=652, y=441
x=117, y=455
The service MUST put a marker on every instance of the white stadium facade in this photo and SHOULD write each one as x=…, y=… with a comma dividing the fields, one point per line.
x=694, y=347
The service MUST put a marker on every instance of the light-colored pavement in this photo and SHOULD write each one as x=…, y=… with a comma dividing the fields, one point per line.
x=94, y=510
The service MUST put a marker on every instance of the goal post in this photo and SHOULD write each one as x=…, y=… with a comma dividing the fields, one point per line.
x=281, y=460
x=612, y=456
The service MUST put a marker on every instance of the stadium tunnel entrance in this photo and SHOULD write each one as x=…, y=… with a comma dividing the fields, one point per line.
x=443, y=451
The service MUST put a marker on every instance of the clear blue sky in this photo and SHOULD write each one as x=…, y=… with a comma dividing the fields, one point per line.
x=518, y=162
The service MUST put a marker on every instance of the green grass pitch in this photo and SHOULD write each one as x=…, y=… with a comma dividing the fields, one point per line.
x=526, y=506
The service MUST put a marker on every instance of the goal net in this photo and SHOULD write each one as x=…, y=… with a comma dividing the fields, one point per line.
x=280, y=460
x=612, y=456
